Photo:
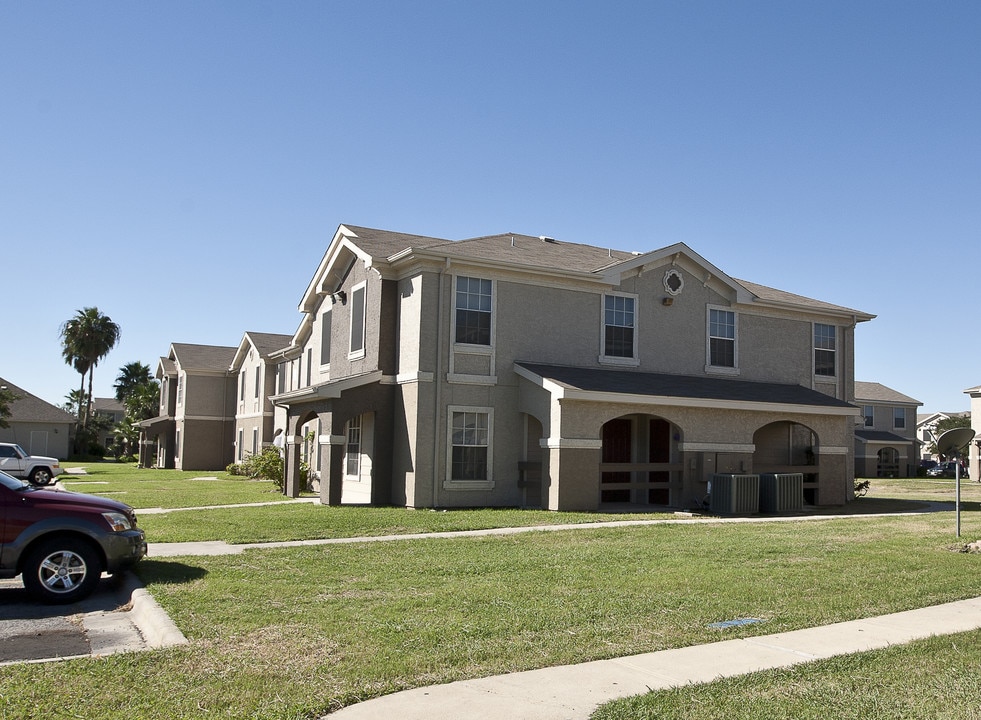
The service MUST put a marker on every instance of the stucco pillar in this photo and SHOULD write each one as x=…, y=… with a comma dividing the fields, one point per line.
x=332, y=470
x=573, y=478
x=292, y=457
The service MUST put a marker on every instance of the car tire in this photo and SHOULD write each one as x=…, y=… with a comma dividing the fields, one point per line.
x=41, y=476
x=61, y=570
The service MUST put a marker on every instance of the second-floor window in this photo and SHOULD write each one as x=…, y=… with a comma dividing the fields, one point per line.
x=357, y=321
x=899, y=418
x=473, y=310
x=258, y=379
x=824, y=350
x=869, y=414
x=618, y=326
x=722, y=338
x=325, y=339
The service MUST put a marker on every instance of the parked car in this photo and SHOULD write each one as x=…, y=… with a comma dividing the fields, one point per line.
x=947, y=469
x=61, y=542
x=16, y=461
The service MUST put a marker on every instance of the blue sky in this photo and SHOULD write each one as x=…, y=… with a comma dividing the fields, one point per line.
x=183, y=165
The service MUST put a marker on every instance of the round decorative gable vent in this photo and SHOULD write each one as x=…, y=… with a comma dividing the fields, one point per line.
x=674, y=282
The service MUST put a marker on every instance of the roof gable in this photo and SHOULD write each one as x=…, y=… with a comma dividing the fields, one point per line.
x=30, y=408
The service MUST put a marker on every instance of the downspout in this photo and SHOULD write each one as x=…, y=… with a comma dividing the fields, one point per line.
x=438, y=397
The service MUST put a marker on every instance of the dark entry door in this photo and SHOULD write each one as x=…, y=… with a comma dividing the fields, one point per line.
x=660, y=452
x=616, y=449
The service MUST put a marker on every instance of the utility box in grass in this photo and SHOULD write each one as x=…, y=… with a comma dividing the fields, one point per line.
x=781, y=492
x=734, y=494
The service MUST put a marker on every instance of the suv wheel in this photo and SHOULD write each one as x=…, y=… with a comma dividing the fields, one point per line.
x=41, y=476
x=61, y=570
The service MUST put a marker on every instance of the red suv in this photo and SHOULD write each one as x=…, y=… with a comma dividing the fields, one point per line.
x=61, y=542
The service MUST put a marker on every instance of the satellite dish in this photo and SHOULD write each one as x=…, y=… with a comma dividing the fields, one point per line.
x=954, y=441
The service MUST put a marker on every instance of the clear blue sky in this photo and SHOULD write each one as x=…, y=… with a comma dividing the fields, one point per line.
x=182, y=165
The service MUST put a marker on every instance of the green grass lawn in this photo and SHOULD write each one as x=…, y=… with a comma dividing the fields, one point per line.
x=292, y=633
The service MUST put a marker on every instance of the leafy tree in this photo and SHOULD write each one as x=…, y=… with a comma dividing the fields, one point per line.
x=131, y=376
x=6, y=397
x=75, y=400
x=142, y=401
x=86, y=339
x=949, y=423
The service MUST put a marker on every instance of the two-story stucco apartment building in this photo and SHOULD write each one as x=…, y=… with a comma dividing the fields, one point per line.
x=513, y=370
x=885, y=443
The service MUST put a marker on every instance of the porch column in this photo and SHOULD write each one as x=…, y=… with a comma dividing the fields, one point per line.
x=573, y=476
x=332, y=469
x=292, y=457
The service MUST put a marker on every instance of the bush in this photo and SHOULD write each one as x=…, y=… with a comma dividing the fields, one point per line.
x=267, y=465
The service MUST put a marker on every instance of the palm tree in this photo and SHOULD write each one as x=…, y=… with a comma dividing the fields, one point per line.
x=131, y=376
x=86, y=339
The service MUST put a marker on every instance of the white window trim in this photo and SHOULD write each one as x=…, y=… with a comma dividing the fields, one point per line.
x=605, y=359
x=358, y=354
x=476, y=349
x=815, y=348
x=448, y=482
x=721, y=369
x=355, y=477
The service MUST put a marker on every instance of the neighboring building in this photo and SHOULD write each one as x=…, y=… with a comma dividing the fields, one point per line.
x=37, y=426
x=519, y=371
x=115, y=411
x=926, y=430
x=886, y=441
x=256, y=382
x=974, y=467
x=195, y=427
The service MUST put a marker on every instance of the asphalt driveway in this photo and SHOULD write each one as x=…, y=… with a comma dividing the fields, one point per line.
x=99, y=625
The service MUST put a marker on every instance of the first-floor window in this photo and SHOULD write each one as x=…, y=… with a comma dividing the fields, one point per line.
x=352, y=449
x=240, y=450
x=470, y=445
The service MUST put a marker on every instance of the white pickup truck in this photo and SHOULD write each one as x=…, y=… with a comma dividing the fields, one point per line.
x=37, y=469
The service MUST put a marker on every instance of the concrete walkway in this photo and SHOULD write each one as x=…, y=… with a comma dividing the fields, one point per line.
x=574, y=692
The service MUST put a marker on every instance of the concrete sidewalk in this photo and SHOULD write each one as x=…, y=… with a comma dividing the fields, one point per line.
x=574, y=692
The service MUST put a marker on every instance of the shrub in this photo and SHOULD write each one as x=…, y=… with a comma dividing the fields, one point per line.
x=267, y=465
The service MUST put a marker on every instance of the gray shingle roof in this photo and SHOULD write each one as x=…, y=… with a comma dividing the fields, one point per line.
x=876, y=392
x=203, y=357
x=630, y=382
x=548, y=255
x=267, y=343
x=882, y=436
x=31, y=408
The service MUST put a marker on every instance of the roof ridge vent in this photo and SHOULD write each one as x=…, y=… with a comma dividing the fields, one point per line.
x=546, y=238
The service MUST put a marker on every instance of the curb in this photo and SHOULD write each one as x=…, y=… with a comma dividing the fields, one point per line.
x=154, y=624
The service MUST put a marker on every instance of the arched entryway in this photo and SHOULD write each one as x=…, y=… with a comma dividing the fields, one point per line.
x=640, y=463
x=887, y=463
x=788, y=447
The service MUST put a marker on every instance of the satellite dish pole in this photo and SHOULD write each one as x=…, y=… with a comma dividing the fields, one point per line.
x=951, y=445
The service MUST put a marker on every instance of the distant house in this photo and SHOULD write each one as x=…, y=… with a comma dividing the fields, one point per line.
x=255, y=374
x=886, y=442
x=513, y=370
x=37, y=426
x=927, y=433
x=194, y=430
x=114, y=411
